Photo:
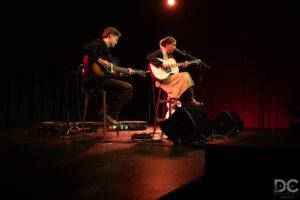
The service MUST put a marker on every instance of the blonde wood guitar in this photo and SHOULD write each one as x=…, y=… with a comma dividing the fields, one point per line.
x=160, y=73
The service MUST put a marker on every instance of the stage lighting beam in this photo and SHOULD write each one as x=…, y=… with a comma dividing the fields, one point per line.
x=171, y=2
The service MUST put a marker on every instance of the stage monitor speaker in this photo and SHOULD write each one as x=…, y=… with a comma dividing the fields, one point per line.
x=228, y=123
x=186, y=124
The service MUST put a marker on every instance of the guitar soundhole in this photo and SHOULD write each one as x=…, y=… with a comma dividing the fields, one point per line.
x=168, y=70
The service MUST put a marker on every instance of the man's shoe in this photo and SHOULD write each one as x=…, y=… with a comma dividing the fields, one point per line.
x=109, y=118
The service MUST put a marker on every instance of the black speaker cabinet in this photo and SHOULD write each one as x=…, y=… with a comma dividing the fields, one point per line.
x=227, y=123
x=186, y=124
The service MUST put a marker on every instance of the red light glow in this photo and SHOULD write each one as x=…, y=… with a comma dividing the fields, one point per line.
x=171, y=2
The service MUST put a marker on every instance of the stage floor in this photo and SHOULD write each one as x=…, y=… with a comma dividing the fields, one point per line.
x=83, y=166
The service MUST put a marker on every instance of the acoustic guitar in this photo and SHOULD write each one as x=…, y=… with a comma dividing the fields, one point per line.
x=100, y=70
x=160, y=73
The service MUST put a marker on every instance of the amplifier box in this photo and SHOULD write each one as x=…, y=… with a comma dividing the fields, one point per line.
x=130, y=126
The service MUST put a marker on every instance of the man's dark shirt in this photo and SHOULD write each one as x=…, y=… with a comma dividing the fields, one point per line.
x=98, y=49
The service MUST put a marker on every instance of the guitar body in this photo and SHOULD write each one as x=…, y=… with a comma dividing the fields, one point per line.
x=160, y=73
x=97, y=70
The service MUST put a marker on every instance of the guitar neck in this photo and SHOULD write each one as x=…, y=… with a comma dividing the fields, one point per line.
x=120, y=69
x=99, y=70
x=190, y=62
x=125, y=70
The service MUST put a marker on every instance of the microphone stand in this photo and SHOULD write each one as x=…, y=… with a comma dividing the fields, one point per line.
x=184, y=53
x=192, y=57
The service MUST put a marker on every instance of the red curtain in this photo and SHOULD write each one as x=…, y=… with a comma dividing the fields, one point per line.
x=258, y=92
x=251, y=76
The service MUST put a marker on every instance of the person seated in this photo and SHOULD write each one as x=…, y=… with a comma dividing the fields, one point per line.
x=178, y=85
x=101, y=75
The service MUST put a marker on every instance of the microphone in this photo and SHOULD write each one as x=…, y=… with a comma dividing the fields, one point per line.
x=188, y=55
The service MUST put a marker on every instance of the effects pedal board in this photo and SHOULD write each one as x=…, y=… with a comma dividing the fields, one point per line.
x=130, y=126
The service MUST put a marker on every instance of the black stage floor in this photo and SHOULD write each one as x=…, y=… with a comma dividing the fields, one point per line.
x=83, y=166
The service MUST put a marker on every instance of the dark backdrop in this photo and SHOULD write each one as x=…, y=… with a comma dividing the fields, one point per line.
x=251, y=47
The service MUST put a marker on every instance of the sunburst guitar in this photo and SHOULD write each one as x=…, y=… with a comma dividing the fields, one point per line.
x=100, y=71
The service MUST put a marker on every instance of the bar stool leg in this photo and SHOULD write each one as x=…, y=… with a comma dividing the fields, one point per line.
x=118, y=126
x=156, y=112
x=86, y=101
x=170, y=108
x=104, y=115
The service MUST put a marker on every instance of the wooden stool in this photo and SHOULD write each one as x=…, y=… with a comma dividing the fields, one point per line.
x=169, y=102
x=92, y=91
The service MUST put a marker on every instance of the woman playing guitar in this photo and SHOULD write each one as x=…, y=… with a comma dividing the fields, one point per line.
x=165, y=71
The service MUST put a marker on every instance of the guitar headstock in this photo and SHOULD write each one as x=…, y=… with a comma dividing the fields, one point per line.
x=196, y=61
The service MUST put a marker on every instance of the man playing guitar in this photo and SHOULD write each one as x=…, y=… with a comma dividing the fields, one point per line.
x=101, y=75
x=164, y=70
